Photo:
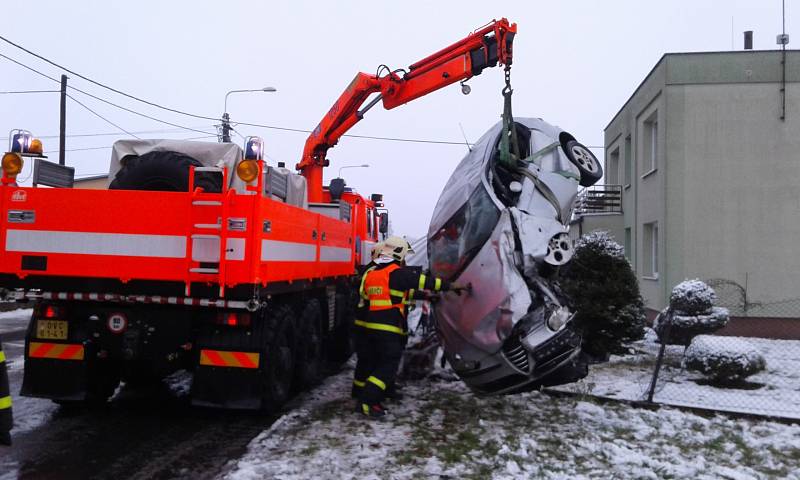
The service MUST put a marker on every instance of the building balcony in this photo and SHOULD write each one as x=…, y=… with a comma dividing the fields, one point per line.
x=599, y=199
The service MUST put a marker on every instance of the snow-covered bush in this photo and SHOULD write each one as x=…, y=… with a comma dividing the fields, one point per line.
x=725, y=360
x=692, y=297
x=604, y=293
x=691, y=312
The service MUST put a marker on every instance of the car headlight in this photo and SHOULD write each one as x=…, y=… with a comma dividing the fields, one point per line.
x=558, y=319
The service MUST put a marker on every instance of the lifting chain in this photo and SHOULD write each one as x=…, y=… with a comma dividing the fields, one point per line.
x=509, y=144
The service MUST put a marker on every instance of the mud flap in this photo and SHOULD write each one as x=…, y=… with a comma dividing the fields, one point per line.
x=227, y=387
x=55, y=379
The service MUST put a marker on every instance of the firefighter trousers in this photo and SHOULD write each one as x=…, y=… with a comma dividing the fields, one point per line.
x=364, y=359
x=384, y=351
x=6, y=421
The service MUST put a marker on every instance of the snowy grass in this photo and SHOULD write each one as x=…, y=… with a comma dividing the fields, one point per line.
x=441, y=430
x=774, y=391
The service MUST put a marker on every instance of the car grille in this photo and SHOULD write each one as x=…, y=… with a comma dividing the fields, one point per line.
x=516, y=354
x=556, y=349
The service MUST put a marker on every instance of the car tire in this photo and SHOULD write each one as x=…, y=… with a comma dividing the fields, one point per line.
x=163, y=171
x=585, y=161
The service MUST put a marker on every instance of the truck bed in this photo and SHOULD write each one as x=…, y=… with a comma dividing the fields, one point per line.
x=95, y=239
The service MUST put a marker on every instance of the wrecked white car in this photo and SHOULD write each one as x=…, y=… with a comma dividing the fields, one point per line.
x=503, y=228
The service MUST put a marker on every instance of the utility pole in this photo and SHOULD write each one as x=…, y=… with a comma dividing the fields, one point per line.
x=226, y=128
x=62, y=129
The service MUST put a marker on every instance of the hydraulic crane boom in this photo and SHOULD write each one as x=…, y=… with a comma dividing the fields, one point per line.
x=483, y=48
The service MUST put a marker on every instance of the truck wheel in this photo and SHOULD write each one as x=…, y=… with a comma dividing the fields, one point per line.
x=163, y=171
x=278, y=370
x=308, y=349
x=340, y=342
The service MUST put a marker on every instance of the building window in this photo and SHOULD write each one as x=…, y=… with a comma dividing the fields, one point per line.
x=612, y=168
x=650, y=248
x=628, y=244
x=650, y=152
x=628, y=161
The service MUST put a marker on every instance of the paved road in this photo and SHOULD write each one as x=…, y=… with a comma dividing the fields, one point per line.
x=139, y=434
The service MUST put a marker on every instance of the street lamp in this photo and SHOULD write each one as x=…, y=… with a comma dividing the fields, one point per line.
x=226, y=120
x=351, y=166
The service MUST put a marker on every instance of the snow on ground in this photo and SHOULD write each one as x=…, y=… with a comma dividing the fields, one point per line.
x=14, y=320
x=441, y=430
x=774, y=391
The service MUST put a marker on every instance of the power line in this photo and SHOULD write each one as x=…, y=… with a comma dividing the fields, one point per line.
x=101, y=117
x=103, y=85
x=102, y=99
x=85, y=149
x=29, y=91
x=117, y=134
x=257, y=125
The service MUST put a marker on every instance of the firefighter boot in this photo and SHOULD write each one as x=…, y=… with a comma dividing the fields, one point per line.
x=375, y=411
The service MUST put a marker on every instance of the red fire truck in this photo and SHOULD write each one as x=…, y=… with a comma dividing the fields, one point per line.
x=240, y=272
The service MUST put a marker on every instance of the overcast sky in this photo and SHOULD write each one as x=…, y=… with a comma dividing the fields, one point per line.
x=575, y=64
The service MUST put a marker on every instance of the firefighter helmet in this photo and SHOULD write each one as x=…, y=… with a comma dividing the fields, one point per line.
x=396, y=247
x=376, y=250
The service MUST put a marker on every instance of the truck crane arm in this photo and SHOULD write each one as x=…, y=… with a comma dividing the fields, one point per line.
x=486, y=47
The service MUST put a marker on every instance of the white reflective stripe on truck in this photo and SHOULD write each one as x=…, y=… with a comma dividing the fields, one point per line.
x=334, y=254
x=279, y=251
x=93, y=243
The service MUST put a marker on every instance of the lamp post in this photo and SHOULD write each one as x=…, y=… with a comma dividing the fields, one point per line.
x=226, y=119
x=351, y=166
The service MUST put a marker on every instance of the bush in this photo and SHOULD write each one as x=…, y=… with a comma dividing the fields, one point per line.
x=725, y=360
x=692, y=297
x=604, y=293
x=691, y=312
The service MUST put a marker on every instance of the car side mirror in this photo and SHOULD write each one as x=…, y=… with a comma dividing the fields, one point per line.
x=383, y=222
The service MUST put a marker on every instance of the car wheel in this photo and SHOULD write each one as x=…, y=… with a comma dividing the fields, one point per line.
x=587, y=163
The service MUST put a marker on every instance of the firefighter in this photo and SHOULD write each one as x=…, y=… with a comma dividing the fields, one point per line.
x=6, y=421
x=363, y=360
x=386, y=288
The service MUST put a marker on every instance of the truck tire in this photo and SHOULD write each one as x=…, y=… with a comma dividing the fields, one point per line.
x=308, y=347
x=163, y=171
x=340, y=343
x=278, y=369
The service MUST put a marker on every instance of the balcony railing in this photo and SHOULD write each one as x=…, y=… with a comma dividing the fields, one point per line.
x=599, y=199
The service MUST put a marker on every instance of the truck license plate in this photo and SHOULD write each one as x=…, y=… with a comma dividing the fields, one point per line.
x=51, y=329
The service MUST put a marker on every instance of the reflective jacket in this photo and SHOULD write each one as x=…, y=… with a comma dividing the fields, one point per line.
x=386, y=292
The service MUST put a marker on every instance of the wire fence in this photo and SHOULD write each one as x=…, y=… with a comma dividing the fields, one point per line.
x=749, y=366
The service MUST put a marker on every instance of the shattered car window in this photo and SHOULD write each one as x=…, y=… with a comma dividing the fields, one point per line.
x=461, y=237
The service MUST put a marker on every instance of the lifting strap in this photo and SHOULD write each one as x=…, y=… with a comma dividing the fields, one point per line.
x=509, y=145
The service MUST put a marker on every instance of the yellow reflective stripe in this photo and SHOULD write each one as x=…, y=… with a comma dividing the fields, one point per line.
x=380, y=303
x=359, y=383
x=5, y=402
x=364, y=279
x=377, y=382
x=2, y=356
x=438, y=285
x=409, y=299
x=396, y=293
x=422, y=279
x=380, y=326
x=365, y=408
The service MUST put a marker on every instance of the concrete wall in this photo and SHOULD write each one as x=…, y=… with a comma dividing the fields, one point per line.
x=726, y=191
x=643, y=199
x=738, y=187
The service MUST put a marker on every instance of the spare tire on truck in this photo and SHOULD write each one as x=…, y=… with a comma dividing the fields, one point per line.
x=163, y=171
